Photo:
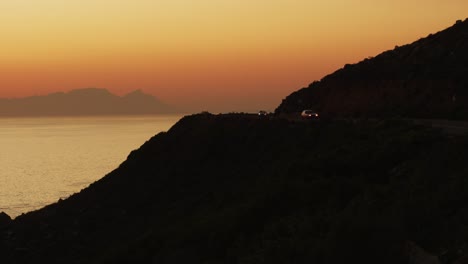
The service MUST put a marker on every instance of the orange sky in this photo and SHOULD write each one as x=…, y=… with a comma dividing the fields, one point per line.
x=216, y=55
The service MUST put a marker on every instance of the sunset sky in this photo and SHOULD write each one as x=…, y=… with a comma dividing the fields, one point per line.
x=216, y=55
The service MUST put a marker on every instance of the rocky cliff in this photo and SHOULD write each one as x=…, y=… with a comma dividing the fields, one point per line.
x=428, y=78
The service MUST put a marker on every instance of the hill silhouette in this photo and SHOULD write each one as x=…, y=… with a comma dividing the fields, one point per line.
x=428, y=78
x=244, y=189
x=90, y=101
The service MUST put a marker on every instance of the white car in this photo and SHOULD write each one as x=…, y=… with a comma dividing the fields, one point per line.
x=309, y=114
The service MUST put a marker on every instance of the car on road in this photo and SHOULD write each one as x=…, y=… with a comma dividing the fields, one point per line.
x=262, y=113
x=310, y=114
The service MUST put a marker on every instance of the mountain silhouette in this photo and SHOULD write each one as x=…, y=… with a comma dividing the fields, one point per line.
x=428, y=78
x=89, y=101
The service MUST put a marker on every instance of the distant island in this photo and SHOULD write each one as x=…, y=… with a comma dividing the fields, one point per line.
x=82, y=102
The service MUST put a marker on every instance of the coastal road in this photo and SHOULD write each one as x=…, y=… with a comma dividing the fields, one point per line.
x=451, y=127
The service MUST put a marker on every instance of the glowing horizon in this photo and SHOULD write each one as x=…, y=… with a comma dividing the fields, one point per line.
x=202, y=54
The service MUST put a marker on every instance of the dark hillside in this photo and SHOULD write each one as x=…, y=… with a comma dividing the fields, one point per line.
x=239, y=189
x=425, y=79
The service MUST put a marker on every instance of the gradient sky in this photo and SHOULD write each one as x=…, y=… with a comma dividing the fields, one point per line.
x=216, y=55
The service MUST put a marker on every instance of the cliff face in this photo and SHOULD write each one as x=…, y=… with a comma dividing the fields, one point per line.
x=244, y=189
x=428, y=78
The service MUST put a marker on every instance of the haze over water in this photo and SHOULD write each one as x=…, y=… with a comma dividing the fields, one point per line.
x=45, y=159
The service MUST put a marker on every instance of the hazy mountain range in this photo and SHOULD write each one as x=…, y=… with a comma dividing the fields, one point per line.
x=89, y=101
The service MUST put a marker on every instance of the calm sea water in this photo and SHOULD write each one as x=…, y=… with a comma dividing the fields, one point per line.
x=45, y=159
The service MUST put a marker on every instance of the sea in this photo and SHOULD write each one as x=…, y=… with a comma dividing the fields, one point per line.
x=43, y=160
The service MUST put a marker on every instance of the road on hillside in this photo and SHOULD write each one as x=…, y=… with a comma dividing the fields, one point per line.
x=451, y=127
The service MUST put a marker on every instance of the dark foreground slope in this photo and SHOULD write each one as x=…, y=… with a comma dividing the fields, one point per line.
x=428, y=78
x=238, y=189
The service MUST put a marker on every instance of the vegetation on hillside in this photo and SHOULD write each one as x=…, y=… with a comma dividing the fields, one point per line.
x=243, y=189
x=424, y=79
